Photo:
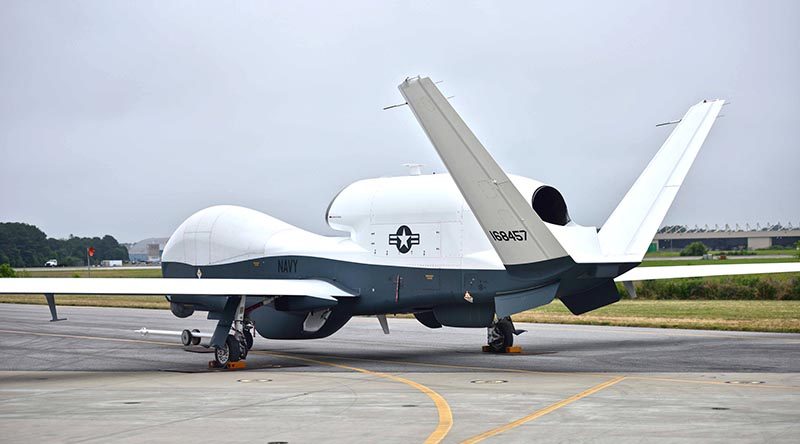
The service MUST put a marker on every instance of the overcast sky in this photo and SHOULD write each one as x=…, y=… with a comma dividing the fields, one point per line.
x=126, y=117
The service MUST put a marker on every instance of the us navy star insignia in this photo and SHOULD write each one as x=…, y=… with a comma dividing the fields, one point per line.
x=404, y=239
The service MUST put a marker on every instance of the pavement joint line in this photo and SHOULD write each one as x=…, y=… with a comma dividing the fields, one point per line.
x=455, y=366
x=422, y=364
x=443, y=427
x=193, y=417
x=544, y=411
x=442, y=407
x=694, y=381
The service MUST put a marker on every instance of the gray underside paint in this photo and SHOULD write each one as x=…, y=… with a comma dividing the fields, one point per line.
x=526, y=300
x=392, y=289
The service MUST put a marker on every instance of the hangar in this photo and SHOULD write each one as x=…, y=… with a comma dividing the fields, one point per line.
x=676, y=237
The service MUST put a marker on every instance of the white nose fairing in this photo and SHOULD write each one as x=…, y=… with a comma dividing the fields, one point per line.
x=223, y=234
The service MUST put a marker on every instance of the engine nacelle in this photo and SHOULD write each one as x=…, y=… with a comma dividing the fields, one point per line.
x=430, y=205
x=272, y=323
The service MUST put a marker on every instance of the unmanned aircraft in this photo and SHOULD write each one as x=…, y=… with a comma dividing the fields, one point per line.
x=464, y=249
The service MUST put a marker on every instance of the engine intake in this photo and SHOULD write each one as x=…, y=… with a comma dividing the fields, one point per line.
x=549, y=204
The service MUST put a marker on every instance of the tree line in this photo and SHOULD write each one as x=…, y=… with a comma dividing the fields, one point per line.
x=24, y=245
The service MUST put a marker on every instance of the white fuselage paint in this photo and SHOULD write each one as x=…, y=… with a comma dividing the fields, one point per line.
x=371, y=211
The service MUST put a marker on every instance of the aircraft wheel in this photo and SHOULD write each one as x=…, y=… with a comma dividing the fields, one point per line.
x=501, y=335
x=230, y=352
x=195, y=339
x=248, y=338
x=187, y=338
x=234, y=348
x=222, y=355
x=242, y=344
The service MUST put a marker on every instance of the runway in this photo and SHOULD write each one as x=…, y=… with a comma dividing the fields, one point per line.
x=92, y=379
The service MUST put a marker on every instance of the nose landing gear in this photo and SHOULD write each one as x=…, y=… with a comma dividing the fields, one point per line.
x=235, y=346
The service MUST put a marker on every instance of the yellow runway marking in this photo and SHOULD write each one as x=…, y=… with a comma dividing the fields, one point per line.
x=542, y=412
x=445, y=415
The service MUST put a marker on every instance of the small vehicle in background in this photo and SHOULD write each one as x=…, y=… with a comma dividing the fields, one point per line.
x=111, y=263
x=51, y=263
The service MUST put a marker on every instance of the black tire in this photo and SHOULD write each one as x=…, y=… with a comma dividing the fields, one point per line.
x=504, y=335
x=248, y=338
x=186, y=338
x=234, y=347
x=507, y=327
x=242, y=347
x=195, y=339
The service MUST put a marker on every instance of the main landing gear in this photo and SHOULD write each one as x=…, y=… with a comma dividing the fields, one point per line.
x=500, y=336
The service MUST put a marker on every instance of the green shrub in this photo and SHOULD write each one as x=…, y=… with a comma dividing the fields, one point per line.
x=6, y=271
x=719, y=288
x=722, y=288
x=694, y=249
x=795, y=289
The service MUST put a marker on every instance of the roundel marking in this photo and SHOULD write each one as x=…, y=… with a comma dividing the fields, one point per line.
x=404, y=239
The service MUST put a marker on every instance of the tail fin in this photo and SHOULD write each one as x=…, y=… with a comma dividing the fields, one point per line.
x=515, y=231
x=631, y=227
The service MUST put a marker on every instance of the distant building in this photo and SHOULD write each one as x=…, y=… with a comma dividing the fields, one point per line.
x=676, y=237
x=147, y=250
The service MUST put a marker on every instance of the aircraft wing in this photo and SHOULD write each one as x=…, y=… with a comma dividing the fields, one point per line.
x=685, y=271
x=174, y=286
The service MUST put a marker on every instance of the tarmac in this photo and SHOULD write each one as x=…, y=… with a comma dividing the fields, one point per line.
x=91, y=378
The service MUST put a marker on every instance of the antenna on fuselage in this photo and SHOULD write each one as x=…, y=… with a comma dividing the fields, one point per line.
x=672, y=122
